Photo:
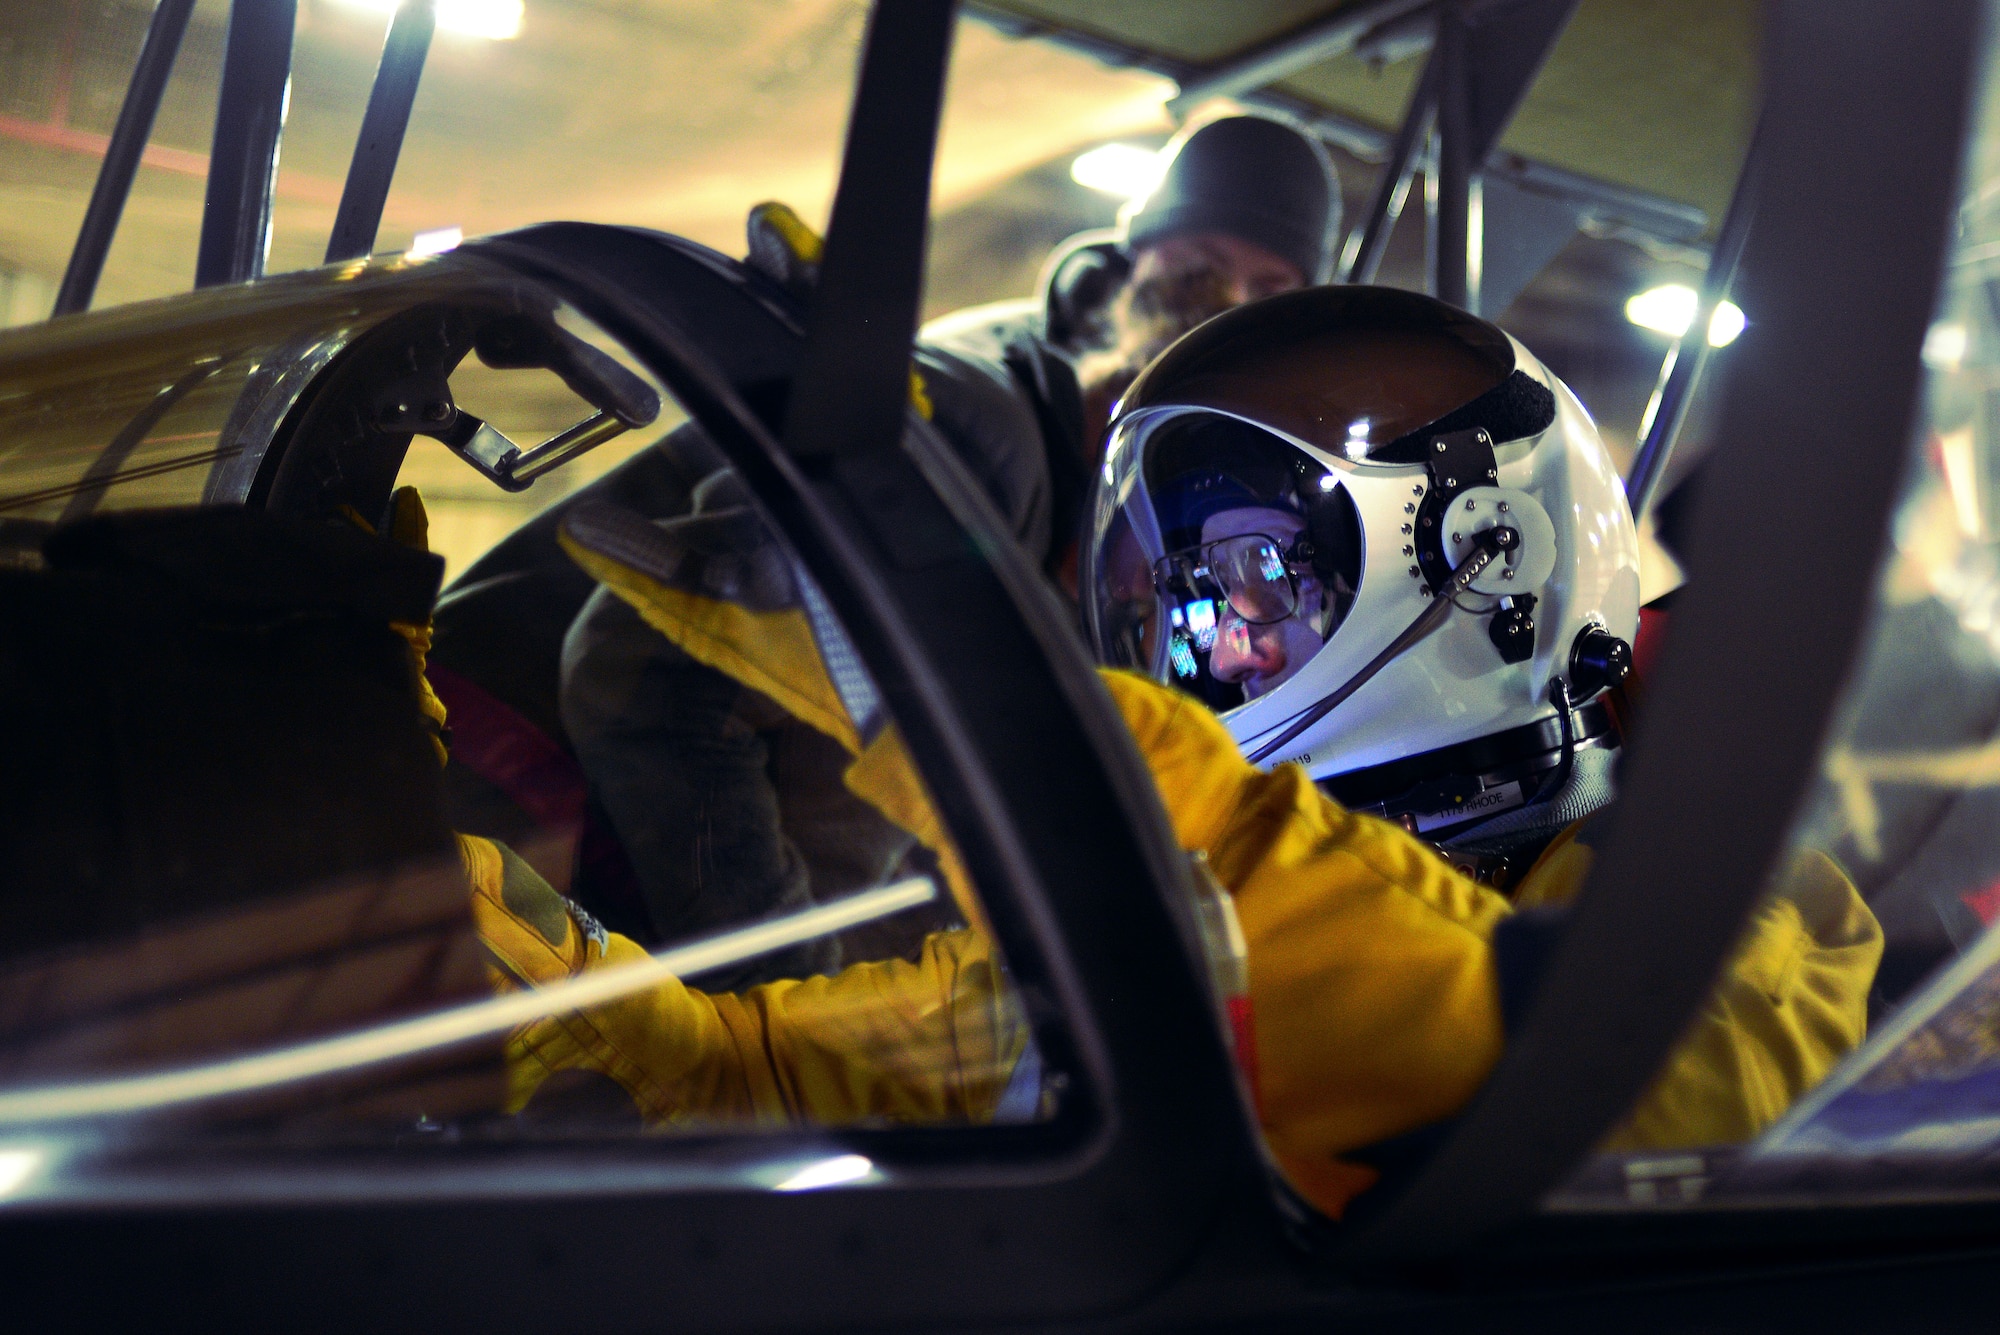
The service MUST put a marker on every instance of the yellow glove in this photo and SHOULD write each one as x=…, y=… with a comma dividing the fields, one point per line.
x=1791, y=1004
x=410, y=526
x=935, y=1040
x=786, y=250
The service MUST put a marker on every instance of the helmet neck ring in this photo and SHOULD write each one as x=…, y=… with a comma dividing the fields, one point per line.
x=1438, y=791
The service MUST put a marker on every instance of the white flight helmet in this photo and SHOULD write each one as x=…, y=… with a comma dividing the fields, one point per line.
x=1384, y=542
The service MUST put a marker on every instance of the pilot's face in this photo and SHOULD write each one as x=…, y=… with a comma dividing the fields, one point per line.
x=1260, y=658
x=1237, y=270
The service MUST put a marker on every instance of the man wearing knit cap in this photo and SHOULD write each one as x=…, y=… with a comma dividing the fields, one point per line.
x=1246, y=207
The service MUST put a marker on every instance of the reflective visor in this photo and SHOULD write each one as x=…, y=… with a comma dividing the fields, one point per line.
x=1211, y=537
x=1350, y=370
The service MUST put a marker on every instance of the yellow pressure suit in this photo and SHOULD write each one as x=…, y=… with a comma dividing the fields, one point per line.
x=1371, y=968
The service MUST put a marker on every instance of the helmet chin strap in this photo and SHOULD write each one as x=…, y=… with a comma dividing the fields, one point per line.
x=1492, y=544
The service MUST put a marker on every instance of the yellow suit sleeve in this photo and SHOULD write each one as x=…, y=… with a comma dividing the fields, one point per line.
x=1371, y=969
x=930, y=1041
x=1371, y=981
x=1791, y=1003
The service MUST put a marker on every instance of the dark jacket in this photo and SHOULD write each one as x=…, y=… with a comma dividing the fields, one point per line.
x=1013, y=335
x=686, y=802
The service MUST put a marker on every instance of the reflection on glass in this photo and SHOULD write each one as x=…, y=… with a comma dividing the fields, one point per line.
x=1908, y=804
x=675, y=871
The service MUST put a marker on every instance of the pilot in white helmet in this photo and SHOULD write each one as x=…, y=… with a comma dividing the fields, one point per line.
x=1385, y=543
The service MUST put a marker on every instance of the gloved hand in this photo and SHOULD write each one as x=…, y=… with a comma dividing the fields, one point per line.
x=787, y=251
x=719, y=585
x=408, y=525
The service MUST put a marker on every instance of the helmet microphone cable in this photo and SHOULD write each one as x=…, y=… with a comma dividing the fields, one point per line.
x=1492, y=543
x=1558, y=779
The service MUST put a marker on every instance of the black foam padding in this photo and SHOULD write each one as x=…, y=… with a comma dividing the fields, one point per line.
x=1523, y=944
x=194, y=713
x=248, y=561
x=1518, y=406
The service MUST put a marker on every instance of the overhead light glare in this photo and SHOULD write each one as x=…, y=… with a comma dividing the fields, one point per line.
x=17, y=1165
x=1670, y=308
x=495, y=20
x=1961, y=478
x=832, y=1172
x=1945, y=345
x=1124, y=170
x=437, y=242
x=1725, y=324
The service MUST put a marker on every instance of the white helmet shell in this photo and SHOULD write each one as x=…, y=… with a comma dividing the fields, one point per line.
x=1577, y=554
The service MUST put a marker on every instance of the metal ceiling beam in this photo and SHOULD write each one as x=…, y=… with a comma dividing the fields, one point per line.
x=1330, y=37
x=1451, y=233
x=1486, y=63
x=1410, y=35
x=1655, y=215
x=1682, y=369
x=380, y=143
x=1510, y=44
x=243, y=162
x=122, y=154
x=1681, y=224
x=1361, y=254
x=1397, y=40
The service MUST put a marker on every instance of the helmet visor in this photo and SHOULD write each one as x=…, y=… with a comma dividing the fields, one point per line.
x=1252, y=574
x=1222, y=556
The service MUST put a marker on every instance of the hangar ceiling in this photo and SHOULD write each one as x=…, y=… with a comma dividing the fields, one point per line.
x=675, y=114
x=679, y=114
x=1655, y=95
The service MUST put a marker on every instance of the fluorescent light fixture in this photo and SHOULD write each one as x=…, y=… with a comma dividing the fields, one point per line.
x=1961, y=478
x=1945, y=345
x=495, y=20
x=18, y=1164
x=1124, y=170
x=1664, y=310
x=1669, y=309
x=1725, y=324
x=832, y=1172
x=436, y=243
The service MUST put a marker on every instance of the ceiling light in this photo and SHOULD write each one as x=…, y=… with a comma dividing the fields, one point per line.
x=435, y=243
x=1725, y=324
x=496, y=20
x=1945, y=345
x=1124, y=170
x=828, y=1173
x=1669, y=309
x=17, y=1166
x=1961, y=477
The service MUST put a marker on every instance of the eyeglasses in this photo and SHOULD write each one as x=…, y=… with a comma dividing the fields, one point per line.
x=1252, y=573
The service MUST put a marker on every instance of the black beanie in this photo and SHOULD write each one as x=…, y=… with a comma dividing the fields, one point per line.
x=1249, y=177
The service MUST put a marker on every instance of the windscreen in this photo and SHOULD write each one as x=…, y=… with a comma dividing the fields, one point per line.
x=620, y=843
x=1905, y=810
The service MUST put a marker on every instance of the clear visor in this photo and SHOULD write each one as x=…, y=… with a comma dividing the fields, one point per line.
x=1221, y=556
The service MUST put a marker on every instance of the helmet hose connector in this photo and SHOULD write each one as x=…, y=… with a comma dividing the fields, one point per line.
x=1598, y=660
x=1488, y=547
